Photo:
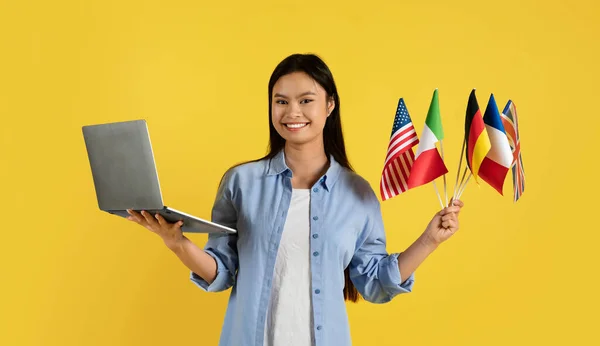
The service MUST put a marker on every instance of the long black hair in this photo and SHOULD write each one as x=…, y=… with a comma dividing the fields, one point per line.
x=333, y=138
x=315, y=67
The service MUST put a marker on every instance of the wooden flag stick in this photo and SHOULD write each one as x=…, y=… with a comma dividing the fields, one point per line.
x=464, y=185
x=445, y=190
x=462, y=181
x=438, y=194
x=462, y=152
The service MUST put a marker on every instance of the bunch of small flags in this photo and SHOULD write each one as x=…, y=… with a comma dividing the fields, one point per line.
x=491, y=145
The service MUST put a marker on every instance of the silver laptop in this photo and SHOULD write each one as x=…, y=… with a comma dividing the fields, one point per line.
x=125, y=176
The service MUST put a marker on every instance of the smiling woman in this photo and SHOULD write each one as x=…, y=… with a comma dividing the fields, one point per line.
x=298, y=102
x=310, y=231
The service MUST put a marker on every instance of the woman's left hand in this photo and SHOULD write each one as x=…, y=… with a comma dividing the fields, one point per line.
x=444, y=224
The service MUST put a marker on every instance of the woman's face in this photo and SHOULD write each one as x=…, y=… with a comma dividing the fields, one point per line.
x=300, y=108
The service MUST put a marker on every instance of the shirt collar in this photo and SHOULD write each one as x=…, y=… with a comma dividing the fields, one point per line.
x=277, y=165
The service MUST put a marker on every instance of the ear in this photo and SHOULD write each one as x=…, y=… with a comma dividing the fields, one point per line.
x=330, y=105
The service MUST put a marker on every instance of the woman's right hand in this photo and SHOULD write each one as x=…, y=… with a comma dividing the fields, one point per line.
x=170, y=233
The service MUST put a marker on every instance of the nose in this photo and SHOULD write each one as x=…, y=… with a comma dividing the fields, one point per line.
x=294, y=110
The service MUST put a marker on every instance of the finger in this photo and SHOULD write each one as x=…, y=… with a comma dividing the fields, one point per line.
x=449, y=224
x=448, y=217
x=135, y=216
x=161, y=220
x=454, y=209
x=177, y=225
x=149, y=219
x=164, y=223
x=453, y=224
x=457, y=203
x=450, y=210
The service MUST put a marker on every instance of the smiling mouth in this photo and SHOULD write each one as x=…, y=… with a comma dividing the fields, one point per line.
x=295, y=125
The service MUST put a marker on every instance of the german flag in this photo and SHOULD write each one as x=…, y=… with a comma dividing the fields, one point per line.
x=476, y=136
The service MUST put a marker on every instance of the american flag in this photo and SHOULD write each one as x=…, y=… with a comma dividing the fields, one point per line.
x=400, y=156
x=511, y=126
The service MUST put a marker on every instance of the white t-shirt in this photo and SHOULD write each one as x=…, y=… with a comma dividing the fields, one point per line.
x=289, y=316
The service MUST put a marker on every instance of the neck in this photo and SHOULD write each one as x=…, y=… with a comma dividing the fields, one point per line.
x=308, y=163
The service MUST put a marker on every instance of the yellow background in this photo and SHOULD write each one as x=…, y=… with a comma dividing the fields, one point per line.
x=524, y=273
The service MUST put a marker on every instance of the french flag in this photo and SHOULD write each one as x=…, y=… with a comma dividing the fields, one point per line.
x=498, y=160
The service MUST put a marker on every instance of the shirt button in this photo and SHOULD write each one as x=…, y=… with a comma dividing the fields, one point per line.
x=319, y=327
x=316, y=253
x=315, y=218
x=315, y=190
x=315, y=236
x=317, y=291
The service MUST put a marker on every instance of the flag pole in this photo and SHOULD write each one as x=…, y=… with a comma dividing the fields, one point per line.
x=462, y=182
x=438, y=194
x=462, y=153
x=464, y=185
x=445, y=190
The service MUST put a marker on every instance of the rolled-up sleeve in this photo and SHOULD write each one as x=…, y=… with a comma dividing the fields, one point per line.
x=222, y=247
x=374, y=272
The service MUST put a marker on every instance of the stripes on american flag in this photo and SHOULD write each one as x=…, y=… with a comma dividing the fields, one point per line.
x=511, y=126
x=400, y=156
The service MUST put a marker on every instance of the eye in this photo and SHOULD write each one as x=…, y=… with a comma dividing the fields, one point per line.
x=281, y=102
x=306, y=101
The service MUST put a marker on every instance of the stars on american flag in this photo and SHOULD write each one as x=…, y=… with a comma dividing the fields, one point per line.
x=400, y=156
x=402, y=117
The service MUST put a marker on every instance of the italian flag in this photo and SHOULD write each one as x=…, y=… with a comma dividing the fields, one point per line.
x=428, y=163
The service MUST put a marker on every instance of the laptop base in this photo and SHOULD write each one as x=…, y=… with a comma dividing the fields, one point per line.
x=191, y=224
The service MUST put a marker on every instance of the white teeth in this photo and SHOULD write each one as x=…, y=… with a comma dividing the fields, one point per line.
x=295, y=126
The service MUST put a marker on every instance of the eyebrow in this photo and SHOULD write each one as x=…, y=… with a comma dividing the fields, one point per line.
x=303, y=94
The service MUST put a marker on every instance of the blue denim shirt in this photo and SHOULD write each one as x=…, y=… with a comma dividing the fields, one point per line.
x=346, y=229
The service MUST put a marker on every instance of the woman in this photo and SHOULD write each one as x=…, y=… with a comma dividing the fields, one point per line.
x=310, y=231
